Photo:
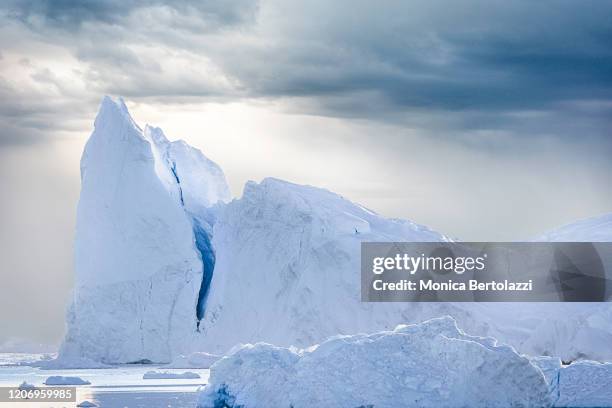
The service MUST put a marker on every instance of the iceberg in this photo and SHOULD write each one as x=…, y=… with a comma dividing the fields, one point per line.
x=431, y=364
x=287, y=269
x=86, y=404
x=145, y=206
x=26, y=386
x=61, y=380
x=167, y=265
x=288, y=274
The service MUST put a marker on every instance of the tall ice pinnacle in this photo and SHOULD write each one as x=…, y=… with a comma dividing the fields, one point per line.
x=139, y=269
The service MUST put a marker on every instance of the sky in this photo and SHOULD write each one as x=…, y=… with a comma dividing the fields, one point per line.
x=485, y=120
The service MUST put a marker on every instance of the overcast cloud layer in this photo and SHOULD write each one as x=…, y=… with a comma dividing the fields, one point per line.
x=487, y=120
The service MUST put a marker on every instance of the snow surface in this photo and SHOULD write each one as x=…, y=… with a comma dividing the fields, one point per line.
x=61, y=380
x=585, y=384
x=580, y=384
x=431, y=364
x=166, y=375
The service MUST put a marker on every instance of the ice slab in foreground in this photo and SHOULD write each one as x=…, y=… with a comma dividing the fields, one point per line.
x=585, y=384
x=580, y=384
x=430, y=364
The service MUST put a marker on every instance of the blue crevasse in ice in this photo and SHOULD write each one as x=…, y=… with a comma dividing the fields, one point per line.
x=202, y=232
x=199, y=185
x=204, y=245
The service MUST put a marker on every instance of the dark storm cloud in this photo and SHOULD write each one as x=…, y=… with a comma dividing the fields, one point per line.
x=70, y=14
x=488, y=56
x=64, y=55
x=455, y=66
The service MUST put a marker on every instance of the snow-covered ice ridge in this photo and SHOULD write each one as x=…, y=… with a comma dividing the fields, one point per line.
x=167, y=265
x=433, y=364
x=594, y=229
